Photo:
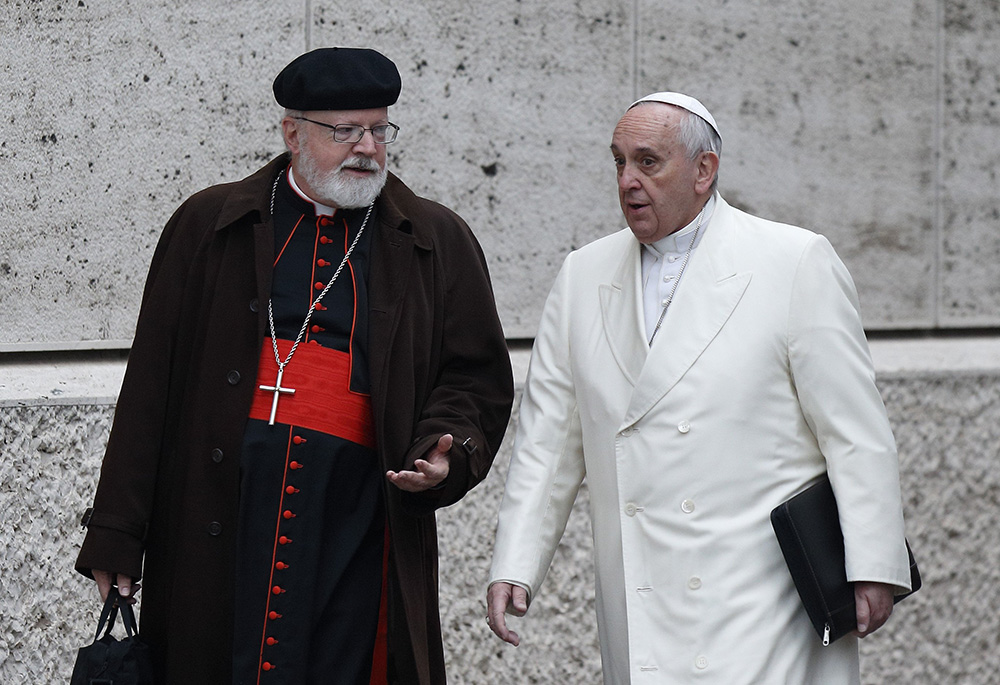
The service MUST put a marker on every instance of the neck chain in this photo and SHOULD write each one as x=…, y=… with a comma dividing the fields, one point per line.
x=687, y=256
x=277, y=389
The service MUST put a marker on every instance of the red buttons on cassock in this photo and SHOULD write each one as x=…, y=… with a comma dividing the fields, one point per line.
x=326, y=241
x=271, y=642
x=295, y=466
x=320, y=308
x=276, y=590
x=324, y=221
x=318, y=286
x=316, y=328
x=284, y=540
x=287, y=514
x=267, y=666
x=281, y=566
x=291, y=490
x=322, y=262
x=298, y=440
x=274, y=615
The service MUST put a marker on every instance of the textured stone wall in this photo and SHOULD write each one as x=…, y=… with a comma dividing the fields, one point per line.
x=947, y=427
x=873, y=123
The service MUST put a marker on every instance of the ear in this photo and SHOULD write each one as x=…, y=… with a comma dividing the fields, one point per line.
x=290, y=132
x=707, y=168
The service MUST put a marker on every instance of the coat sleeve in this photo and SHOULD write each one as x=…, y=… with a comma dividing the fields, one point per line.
x=473, y=389
x=547, y=466
x=835, y=380
x=124, y=499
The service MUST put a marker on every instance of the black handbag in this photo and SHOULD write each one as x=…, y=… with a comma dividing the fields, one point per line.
x=808, y=530
x=108, y=661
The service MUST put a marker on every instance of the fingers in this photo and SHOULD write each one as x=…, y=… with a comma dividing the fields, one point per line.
x=124, y=585
x=428, y=472
x=519, y=600
x=874, y=606
x=497, y=599
x=864, y=614
x=444, y=444
x=103, y=579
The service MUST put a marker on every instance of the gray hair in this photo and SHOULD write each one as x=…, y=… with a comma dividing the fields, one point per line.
x=697, y=136
x=294, y=114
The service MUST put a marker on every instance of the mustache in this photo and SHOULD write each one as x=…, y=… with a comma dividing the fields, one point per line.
x=361, y=163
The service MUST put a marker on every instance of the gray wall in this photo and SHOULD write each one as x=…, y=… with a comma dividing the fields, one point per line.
x=873, y=123
x=947, y=423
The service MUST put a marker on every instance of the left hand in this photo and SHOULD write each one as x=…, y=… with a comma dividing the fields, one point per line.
x=430, y=471
x=874, y=602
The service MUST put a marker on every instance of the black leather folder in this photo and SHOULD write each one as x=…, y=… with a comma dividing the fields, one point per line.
x=808, y=530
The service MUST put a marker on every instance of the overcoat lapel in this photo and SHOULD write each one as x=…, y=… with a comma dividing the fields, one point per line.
x=621, y=314
x=393, y=246
x=392, y=251
x=709, y=291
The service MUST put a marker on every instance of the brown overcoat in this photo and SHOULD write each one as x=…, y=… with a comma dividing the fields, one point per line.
x=169, y=484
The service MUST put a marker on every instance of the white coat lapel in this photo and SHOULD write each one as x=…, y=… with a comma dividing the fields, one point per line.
x=621, y=313
x=708, y=293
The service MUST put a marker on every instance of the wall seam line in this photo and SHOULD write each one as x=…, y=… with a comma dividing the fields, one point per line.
x=937, y=294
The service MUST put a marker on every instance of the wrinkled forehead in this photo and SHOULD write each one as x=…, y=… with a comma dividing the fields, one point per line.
x=649, y=124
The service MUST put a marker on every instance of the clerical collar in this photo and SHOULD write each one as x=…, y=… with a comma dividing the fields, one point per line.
x=679, y=241
x=321, y=209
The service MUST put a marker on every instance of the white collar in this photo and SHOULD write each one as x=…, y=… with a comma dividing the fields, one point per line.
x=678, y=241
x=321, y=209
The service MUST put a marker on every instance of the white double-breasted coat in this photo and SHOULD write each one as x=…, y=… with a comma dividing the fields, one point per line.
x=759, y=380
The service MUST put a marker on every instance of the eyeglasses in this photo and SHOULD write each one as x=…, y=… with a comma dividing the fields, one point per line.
x=383, y=134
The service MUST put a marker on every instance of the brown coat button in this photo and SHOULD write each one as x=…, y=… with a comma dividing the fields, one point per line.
x=233, y=377
x=217, y=455
x=214, y=528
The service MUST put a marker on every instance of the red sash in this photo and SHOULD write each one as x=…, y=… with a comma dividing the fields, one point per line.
x=322, y=401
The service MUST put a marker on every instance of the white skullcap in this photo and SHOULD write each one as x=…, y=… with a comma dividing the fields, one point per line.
x=684, y=102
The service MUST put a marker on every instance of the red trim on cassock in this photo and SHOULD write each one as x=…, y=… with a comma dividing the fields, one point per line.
x=323, y=400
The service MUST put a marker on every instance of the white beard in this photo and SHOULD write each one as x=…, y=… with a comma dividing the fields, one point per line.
x=337, y=188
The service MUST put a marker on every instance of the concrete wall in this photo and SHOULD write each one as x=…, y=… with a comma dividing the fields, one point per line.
x=873, y=123
x=947, y=424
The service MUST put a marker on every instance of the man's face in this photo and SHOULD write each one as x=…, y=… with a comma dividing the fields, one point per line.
x=660, y=189
x=332, y=173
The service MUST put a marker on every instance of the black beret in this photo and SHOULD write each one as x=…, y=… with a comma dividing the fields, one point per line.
x=338, y=78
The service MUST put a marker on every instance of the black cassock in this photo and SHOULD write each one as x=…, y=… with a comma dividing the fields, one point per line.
x=312, y=535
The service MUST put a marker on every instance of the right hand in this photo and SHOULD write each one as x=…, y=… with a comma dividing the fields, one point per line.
x=126, y=588
x=499, y=598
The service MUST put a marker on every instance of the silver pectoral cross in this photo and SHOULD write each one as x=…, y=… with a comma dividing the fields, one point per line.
x=277, y=390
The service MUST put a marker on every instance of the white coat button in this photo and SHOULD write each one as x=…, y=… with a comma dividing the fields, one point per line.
x=701, y=662
x=694, y=582
x=630, y=509
x=687, y=506
x=628, y=432
x=684, y=426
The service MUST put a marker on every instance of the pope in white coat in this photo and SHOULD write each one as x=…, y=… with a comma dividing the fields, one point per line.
x=699, y=368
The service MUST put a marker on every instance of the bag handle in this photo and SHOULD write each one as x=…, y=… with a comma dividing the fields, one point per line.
x=109, y=613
